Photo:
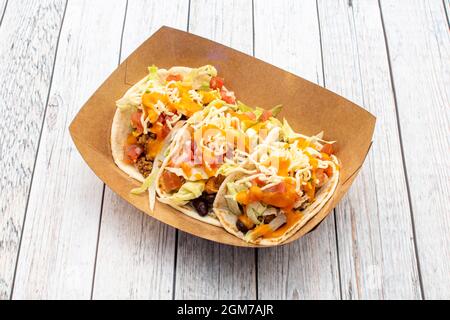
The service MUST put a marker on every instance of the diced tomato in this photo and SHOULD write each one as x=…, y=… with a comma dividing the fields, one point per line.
x=133, y=152
x=216, y=83
x=136, y=121
x=266, y=115
x=329, y=171
x=328, y=149
x=281, y=188
x=161, y=118
x=193, y=147
x=170, y=182
x=228, y=96
x=174, y=77
x=258, y=182
x=162, y=130
x=165, y=131
x=320, y=175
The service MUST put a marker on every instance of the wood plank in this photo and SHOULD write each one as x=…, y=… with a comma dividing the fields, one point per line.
x=60, y=234
x=376, y=250
x=2, y=9
x=420, y=55
x=308, y=268
x=447, y=10
x=132, y=272
x=206, y=270
x=28, y=35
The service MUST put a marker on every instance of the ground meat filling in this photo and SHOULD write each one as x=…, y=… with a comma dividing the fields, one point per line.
x=144, y=164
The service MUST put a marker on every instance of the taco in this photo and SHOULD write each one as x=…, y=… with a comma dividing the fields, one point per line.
x=153, y=110
x=294, y=178
x=212, y=145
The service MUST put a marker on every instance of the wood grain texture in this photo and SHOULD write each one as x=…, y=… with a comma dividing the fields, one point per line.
x=60, y=234
x=420, y=56
x=376, y=250
x=447, y=10
x=207, y=270
x=28, y=37
x=308, y=268
x=142, y=264
x=2, y=10
x=136, y=254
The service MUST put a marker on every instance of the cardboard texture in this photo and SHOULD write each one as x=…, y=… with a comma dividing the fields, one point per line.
x=309, y=108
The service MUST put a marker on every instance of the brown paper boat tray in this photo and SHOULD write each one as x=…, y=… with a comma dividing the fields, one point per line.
x=309, y=108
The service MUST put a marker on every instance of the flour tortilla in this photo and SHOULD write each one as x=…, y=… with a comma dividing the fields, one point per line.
x=119, y=133
x=121, y=127
x=228, y=219
x=163, y=197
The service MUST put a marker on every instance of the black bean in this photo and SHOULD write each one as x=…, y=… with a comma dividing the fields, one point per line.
x=149, y=125
x=209, y=198
x=268, y=219
x=241, y=227
x=200, y=206
x=153, y=135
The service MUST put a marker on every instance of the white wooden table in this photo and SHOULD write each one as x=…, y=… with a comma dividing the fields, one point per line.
x=64, y=235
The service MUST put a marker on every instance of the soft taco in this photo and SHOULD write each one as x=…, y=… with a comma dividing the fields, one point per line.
x=152, y=111
x=294, y=177
x=212, y=145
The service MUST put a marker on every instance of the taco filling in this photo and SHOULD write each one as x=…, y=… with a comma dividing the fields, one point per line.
x=294, y=176
x=157, y=103
x=182, y=133
x=213, y=144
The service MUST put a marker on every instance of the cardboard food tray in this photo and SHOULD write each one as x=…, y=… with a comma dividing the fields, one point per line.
x=309, y=108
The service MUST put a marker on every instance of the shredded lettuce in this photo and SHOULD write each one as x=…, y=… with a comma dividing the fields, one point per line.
x=197, y=78
x=258, y=112
x=232, y=190
x=153, y=72
x=255, y=210
x=243, y=107
x=288, y=132
x=189, y=191
x=133, y=97
x=205, y=87
x=145, y=185
x=276, y=110
x=275, y=122
x=233, y=205
x=226, y=168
